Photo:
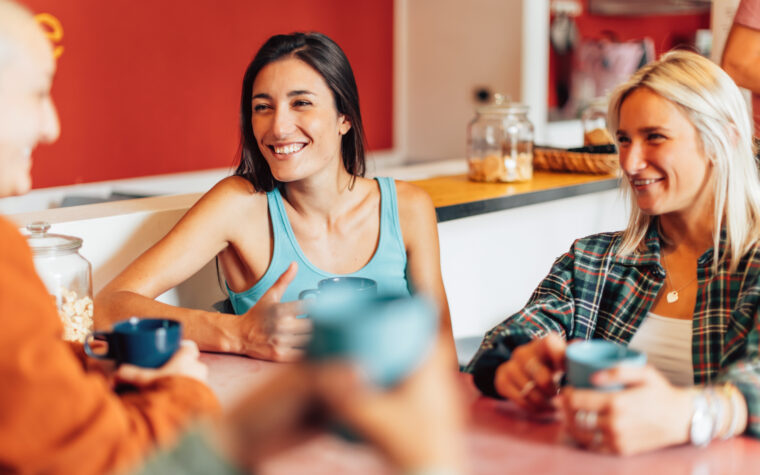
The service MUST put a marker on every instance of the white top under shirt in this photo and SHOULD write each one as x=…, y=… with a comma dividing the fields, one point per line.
x=667, y=344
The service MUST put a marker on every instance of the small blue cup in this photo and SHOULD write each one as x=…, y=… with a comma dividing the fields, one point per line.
x=388, y=337
x=146, y=342
x=342, y=284
x=584, y=358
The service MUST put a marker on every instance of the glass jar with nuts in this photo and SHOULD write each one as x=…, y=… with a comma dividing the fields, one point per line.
x=67, y=276
x=500, y=143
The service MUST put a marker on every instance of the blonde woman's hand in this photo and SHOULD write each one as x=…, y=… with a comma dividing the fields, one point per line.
x=530, y=376
x=271, y=330
x=648, y=414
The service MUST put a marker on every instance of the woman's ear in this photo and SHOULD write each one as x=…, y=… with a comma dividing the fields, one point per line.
x=344, y=125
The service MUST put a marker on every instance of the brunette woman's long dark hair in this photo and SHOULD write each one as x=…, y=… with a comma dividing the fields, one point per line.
x=326, y=57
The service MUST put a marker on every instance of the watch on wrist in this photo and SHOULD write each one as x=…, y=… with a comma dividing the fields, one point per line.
x=702, y=421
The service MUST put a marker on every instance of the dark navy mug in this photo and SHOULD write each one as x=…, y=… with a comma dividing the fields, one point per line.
x=146, y=342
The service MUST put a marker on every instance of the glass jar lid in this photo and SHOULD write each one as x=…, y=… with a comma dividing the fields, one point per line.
x=43, y=242
x=507, y=108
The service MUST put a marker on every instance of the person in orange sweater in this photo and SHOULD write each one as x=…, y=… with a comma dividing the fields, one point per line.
x=58, y=414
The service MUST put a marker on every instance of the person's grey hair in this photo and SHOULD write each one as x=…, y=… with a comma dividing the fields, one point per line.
x=715, y=107
x=12, y=17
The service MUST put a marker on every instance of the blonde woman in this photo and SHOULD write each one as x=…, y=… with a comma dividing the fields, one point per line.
x=680, y=283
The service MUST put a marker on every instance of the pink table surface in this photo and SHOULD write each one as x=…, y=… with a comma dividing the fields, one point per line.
x=501, y=439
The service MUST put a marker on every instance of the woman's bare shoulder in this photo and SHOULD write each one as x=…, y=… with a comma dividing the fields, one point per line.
x=412, y=199
x=235, y=192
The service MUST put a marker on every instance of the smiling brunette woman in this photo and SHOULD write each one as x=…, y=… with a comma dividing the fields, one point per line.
x=298, y=210
x=680, y=283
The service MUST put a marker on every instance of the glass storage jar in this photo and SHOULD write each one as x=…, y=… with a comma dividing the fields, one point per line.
x=67, y=276
x=594, y=119
x=500, y=143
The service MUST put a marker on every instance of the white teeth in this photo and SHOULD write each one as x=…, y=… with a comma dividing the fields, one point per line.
x=644, y=182
x=286, y=149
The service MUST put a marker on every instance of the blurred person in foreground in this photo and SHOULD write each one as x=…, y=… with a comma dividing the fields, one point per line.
x=415, y=425
x=59, y=410
x=680, y=283
x=59, y=415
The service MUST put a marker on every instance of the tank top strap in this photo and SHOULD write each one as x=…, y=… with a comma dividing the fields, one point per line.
x=390, y=227
x=285, y=243
x=276, y=213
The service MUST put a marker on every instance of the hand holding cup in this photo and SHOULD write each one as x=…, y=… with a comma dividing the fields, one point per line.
x=530, y=378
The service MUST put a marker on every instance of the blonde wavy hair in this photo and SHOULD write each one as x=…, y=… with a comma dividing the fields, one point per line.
x=716, y=109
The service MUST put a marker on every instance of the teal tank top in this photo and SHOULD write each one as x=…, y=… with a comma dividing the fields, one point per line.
x=387, y=266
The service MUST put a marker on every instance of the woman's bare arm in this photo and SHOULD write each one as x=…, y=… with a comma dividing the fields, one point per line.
x=420, y=230
x=201, y=234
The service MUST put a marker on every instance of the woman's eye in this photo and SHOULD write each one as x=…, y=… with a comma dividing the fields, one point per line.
x=260, y=107
x=623, y=140
x=301, y=103
x=653, y=137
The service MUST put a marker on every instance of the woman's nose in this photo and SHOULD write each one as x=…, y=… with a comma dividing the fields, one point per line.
x=632, y=158
x=50, y=128
x=282, y=124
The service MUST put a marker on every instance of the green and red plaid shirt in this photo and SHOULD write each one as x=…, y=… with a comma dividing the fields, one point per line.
x=592, y=292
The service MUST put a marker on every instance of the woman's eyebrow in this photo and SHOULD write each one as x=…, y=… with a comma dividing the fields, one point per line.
x=300, y=92
x=297, y=92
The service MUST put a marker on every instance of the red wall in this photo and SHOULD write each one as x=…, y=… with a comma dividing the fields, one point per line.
x=154, y=87
x=667, y=31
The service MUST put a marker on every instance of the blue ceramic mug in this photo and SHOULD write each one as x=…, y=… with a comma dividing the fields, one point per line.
x=342, y=284
x=146, y=342
x=584, y=358
x=388, y=337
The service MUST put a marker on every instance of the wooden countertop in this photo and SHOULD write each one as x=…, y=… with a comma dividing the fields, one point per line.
x=454, y=196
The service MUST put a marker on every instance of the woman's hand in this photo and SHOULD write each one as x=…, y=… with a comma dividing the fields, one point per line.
x=184, y=362
x=271, y=330
x=648, y=414
x=530, y=377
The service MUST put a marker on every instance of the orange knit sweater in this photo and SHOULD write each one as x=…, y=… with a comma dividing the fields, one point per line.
x=55, y=417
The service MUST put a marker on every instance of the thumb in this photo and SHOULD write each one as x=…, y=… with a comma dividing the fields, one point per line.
x=277, y=290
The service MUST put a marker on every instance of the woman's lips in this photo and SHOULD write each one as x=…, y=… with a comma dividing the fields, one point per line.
x=287, y=149
x=640, y=183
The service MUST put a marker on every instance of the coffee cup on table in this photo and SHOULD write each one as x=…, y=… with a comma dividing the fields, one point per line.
x=584, y=358
x=146, y=342
x=360, y=286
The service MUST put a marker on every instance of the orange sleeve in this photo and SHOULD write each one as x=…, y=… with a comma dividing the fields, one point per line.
x=56, y=417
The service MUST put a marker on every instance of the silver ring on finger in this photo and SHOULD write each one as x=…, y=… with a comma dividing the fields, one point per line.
x=527, y=388
x=586, y=420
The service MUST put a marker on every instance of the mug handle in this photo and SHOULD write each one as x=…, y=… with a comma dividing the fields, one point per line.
x=307, y=293
x=88, y=350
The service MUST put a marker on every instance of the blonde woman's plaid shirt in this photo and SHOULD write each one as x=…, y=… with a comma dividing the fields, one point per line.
x=591, y=292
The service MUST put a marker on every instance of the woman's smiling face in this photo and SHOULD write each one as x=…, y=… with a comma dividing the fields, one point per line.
x=661, y=156
x=294, y=120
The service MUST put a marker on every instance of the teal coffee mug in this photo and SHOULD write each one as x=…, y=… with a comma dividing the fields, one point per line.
x=348, y=284
x=584, y=358
x=386, y=336
x=146, y=342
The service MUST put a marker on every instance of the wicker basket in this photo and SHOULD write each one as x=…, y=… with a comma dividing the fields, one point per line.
x=561, y=160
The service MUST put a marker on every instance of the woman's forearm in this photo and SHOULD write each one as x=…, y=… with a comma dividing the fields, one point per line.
x=210, y=330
